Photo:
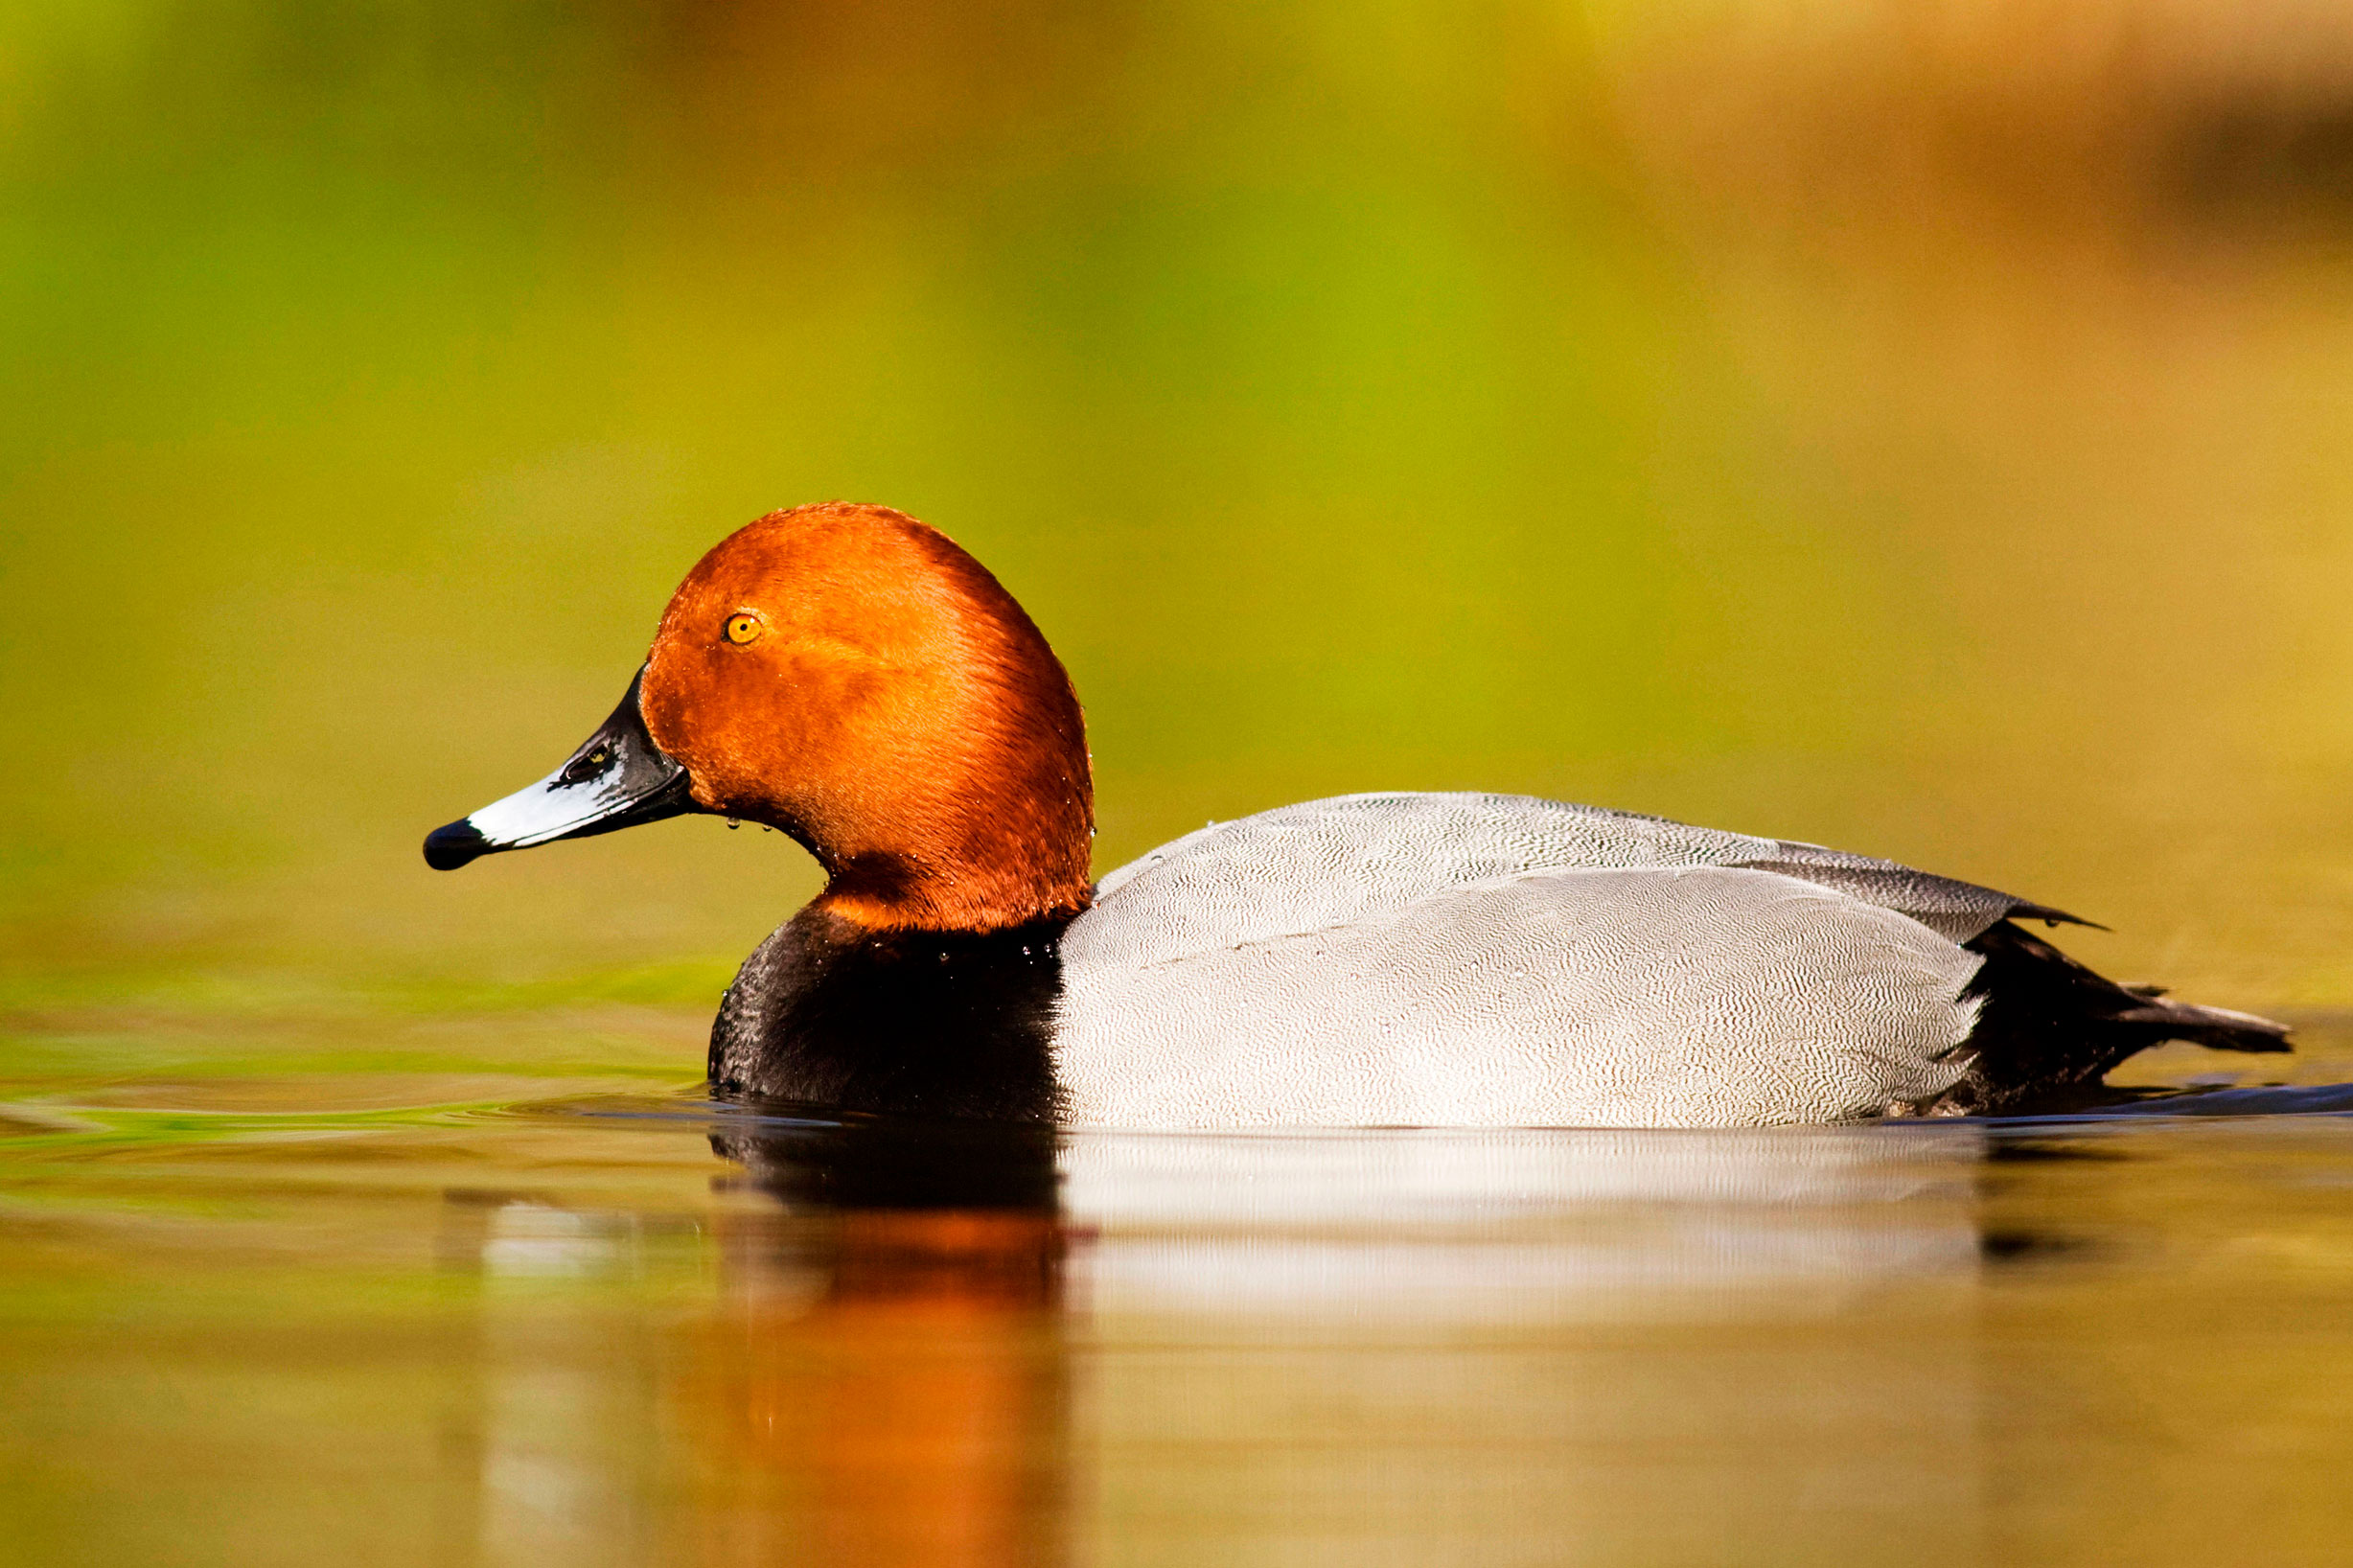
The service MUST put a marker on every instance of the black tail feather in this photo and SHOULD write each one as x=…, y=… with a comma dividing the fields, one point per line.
x=2049, y=1028
x=2217, y=1028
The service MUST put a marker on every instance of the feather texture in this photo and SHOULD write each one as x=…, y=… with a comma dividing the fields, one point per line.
x=1497, y=960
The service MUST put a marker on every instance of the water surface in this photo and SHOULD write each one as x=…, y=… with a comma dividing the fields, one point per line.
x=632, y=1326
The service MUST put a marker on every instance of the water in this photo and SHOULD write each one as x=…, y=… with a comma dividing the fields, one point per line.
x=638, y=1327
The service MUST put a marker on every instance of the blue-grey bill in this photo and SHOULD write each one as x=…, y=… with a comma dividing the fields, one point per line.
x=618, y=778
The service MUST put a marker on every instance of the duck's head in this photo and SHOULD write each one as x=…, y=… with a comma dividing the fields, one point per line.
x=849, y=676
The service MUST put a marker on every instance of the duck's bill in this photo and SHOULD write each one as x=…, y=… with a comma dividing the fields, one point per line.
x=617, y=779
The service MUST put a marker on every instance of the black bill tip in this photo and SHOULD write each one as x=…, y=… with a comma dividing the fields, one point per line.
x=447, y=848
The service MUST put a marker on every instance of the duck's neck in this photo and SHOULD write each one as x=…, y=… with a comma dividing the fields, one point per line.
x=990, y=842
x=887, y=890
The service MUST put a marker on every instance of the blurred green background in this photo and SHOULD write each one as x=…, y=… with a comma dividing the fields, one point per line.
x=1927, y=430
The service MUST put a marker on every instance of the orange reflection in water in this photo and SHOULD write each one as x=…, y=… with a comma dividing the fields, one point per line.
x=887, y=1388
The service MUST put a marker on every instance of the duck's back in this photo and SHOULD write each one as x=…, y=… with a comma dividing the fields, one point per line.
x=1498, y=960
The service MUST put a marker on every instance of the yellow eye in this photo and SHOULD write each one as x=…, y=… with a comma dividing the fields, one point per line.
x=743, y=627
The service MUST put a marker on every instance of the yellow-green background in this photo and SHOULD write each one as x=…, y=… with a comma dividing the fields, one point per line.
x=1927, y=430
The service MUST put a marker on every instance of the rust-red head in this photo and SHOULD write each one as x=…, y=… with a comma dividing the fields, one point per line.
x=851, y=676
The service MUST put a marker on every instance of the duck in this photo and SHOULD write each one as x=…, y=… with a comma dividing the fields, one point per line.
x=849, y=676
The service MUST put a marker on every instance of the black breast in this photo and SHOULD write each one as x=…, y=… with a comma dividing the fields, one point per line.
x=831, y=1014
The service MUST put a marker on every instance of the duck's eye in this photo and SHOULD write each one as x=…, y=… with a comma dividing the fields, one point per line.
x=743, y=627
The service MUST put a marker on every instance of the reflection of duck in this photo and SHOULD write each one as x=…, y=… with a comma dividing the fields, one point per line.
x=1463, y=1227
x=886, y=1383
x=1314, y=1348
x=849, y=676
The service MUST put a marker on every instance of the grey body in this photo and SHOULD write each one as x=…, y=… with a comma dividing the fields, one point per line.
x=1497, y=960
